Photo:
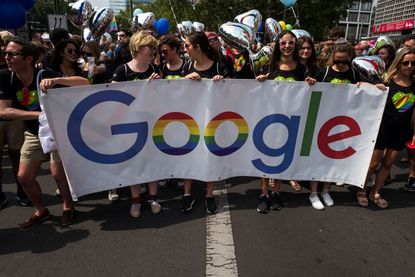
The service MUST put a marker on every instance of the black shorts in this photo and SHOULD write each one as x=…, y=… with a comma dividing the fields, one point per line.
x=393, y=134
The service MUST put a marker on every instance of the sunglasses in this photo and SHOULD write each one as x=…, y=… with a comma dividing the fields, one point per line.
x=287, y=42
x=344, y=62
x=72, y=51
x=87, y=54
x=406, y=63
x=11, y=54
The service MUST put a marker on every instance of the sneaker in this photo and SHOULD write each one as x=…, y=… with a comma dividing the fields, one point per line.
x=315, y=201
x=57, y=192
x=275, y=201
x=263, y=205
x=135, y=210
x=35, y=220
x=23, y=201
x=68, y=217
x=211, y=207
x=339, y=184
x=3, y=200
x=410, y=184
x=188, y=202
x=113, y=195
x=327, y=198
x=155, y=206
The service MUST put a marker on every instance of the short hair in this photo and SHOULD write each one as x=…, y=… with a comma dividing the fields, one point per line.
x=141, y=39
x=57, y=35
x=170, y=40
x=126, y=32
x=337, y=32
x=28, y=49
x=408, y=37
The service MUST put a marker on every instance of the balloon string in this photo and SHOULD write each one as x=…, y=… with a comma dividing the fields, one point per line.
x=297, y=22
x=174, y=15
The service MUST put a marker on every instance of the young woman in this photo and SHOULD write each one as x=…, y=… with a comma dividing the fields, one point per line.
x=204, y=63
x=64, y=58
x=143, y=47
x=172, y=65
x=90, y=52
x=387, y=54
x=284, y=66
x=307, y=55
x=396, y=127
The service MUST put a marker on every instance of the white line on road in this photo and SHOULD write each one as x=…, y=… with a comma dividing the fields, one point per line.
x=220, y=249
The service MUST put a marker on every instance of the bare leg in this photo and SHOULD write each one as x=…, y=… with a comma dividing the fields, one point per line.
x=153, y=188
x=27, y=178
x=210, y=186
x=384, y=170
x=187, y=186
x=58, y=173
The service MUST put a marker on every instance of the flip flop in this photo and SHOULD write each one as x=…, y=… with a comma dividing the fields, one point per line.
x=295, y=185
x=379, y=201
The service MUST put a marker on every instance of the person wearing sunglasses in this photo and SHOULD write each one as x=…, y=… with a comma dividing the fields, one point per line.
x=93, y=68
x=143, y=47
x=64, y=59
x=284, y=66
x=172, y=65
x=397, y=125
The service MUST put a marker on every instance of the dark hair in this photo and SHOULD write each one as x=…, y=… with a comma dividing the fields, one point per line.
x=57, y=35
x=276, y=54
x=171, y=41
x=94, y=48
x=127, y=32
x=336, y=33
x=57, y=57
x=391, y=52
x=28, y=49
x=201, y=39
x=408, y=37
x=312, y=60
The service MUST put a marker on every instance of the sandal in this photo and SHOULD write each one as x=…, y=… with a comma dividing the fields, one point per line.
x=362, y=199
x=295, y=185
x=271, y=183
x=379, y=201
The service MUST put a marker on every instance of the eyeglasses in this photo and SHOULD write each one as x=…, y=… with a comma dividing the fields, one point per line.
x=406, y=63
x=343, y=62
x=11, y=54
x=287, y=42
x=87, y=54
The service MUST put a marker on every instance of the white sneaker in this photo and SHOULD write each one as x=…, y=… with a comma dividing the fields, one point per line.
x=58, y=192
x=155, y=206
x=113, y=195
x=339, y=184
x=327, y=198
x=135, y=210
x=315, y=201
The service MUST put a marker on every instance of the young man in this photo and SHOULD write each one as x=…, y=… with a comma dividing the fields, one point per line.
x=19, y=100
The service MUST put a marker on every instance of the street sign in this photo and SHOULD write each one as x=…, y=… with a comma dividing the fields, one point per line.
x=57, y=21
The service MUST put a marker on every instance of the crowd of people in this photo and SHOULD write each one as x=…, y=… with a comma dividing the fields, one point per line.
x=60, y=59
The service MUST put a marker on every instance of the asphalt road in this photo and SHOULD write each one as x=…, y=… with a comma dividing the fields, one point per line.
x=344, y=240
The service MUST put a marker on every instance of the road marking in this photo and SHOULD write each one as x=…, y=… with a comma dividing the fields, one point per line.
x=220, y=249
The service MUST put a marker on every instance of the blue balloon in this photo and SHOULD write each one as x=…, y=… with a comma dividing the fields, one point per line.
x=12, y=15
x=162, y=26
x=288, y=3
x=27, y=4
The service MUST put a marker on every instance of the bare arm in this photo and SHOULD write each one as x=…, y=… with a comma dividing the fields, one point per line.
x=72, y=81
x=8, y=112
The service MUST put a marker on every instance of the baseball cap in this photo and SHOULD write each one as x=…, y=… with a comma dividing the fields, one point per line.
x=107, y=36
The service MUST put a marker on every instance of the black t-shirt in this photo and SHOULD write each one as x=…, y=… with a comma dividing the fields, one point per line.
x=23, y=98
x=329, y=75
x=297, y=74
x=242, y=67
x=124, y=73
x=171, y=74
x=215, y=69
x=400, y=102
x=97, y=78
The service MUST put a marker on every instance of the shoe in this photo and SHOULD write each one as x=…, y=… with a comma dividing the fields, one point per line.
x=35, y=220
x=379, y=201
x=275, y=201
x=263, y=205
x=58, y=192
x=327, y=198
x=135, y=210
x=315, y=201
x=23, y=201
x=113, y=195
x=410, y=184
x=339, y=184
x=188, y=202
x=362, y=199
x=211, y=207
x=155, y=206
x=68, y=217
x=3, y=200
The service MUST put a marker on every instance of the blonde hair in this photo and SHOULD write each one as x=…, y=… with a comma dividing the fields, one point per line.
x=394, y=68
x=141, y=39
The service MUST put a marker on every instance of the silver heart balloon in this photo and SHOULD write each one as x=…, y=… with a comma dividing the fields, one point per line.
x=86, y=34
x=198, y=27
x=261, y=58
x=145, y=20
x=187, y=27
x=79, y=12
x=370, y=68
x=301, y=33
x=100, y=20
x=380, y=42
x=252, y=18
x=237, y=35
x=272, y=29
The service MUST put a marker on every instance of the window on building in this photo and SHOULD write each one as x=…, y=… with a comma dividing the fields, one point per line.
x=354, y=5
x=364, y=30
x=364, y=17
x=351, y=33
x=352, y=16
x=366, y=6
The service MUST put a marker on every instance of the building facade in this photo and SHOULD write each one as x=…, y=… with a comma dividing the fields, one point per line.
x=394, y=18
x=358, y=20
x=117, y=5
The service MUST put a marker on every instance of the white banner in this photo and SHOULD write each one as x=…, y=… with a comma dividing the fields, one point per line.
x=134, y=132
